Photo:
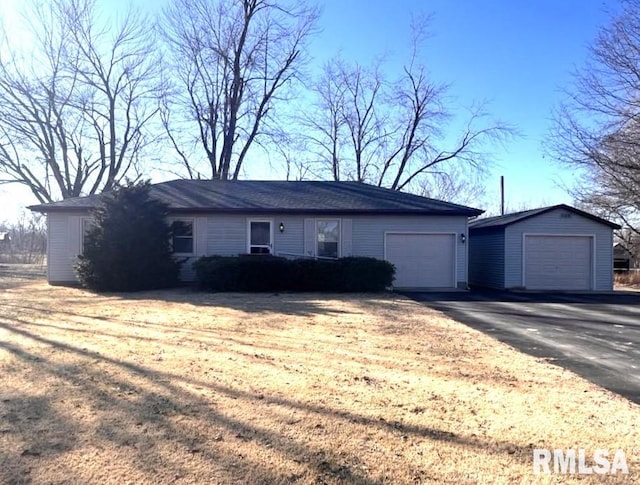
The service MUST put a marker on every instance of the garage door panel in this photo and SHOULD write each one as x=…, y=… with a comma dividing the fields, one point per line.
x=422, y=260
x=558, y=262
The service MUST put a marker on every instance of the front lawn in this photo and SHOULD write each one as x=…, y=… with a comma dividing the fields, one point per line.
x=183, y=387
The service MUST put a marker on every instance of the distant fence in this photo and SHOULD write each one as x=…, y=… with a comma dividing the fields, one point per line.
x=620, y=270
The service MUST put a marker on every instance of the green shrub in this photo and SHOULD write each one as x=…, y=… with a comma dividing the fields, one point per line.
x=127, y=247
x=242, y=273
x=366, y=274
x=271, y=273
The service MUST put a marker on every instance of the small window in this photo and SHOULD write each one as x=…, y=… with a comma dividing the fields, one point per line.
x=182, y=241
x=328, y=238
x=260, y=237
x=85, y=224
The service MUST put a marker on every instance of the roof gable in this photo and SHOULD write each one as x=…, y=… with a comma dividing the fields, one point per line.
x=216, y=196
x=500, y=222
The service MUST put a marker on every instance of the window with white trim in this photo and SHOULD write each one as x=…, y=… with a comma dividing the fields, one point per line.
x=328, y=238
x=182, y=236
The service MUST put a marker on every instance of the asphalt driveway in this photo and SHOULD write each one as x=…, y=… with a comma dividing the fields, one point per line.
x=595, y=336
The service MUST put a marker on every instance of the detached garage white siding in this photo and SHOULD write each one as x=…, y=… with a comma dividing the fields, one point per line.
x=561, y=222
x=553, y=248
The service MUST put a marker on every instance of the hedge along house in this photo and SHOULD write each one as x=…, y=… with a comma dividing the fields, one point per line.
x=552, y=248
x=424, y=238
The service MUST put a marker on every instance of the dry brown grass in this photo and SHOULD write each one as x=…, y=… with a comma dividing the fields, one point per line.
x=177, y=387
x=18, y=274
x=630, y=279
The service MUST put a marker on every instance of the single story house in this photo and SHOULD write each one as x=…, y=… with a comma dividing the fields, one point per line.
x=552, y=248
x=424, y=238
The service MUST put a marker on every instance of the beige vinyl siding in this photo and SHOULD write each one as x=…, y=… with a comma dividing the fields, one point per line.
x=346, y=238
x=227, y=235
x=63, y=246
x=553, y=222
x=309, y=246
x=487, y=259
x=291, y=240
x=368, y=235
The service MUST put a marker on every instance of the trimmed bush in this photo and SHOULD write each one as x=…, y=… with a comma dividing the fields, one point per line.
x=366, y=274
x=242, y=273
x=128, y=245
x=270, y=273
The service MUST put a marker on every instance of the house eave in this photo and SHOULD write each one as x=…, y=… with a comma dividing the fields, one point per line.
x=499, y=225
x=285, y=211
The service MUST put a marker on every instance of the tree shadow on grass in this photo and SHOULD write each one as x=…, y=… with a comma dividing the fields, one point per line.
x=99, y=325
x=146, y=407
x=247, y=346
x=30, y=429
x=286, y=303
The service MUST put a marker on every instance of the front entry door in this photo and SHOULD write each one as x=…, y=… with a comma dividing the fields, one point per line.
x=260, y=237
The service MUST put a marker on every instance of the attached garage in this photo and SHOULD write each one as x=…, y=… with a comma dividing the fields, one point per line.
x=425, y=238
x=422, y=260
x=558, y=248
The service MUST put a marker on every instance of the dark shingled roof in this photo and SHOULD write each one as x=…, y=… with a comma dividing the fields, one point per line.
x=498, y=222
x=249, y=196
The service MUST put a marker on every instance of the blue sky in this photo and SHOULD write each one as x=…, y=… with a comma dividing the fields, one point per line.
x=515, y=55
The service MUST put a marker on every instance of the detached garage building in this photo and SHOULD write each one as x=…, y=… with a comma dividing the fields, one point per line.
x=553, y=248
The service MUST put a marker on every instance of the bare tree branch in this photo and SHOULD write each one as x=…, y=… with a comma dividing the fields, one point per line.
x=597, y=130
x=234, y=61
x=366, y=128
x=76, y=109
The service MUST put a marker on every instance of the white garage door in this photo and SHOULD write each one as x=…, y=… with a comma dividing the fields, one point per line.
x=558, y=262
x=422, y=260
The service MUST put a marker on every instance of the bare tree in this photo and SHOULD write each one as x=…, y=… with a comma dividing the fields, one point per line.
x=75, y=110
x=289, y=150
x=460, y=183
x=323, y=127
x=25, y=239
x=233, y=61
x=597, y=130
x=368, y=128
